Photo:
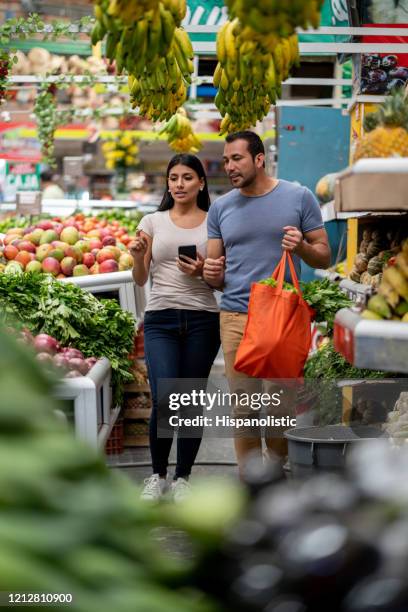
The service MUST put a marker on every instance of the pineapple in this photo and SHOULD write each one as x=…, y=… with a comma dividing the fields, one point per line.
x=386, y=130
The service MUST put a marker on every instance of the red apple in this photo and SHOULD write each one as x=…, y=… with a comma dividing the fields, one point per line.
x=45, y=225
x=108, y=241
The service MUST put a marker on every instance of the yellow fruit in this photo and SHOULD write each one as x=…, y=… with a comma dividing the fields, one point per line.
x=383, y=142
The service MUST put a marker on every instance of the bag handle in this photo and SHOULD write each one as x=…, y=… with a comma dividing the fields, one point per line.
x=279, y=272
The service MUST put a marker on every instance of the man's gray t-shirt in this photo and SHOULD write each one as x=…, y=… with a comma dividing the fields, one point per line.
x=251, y=229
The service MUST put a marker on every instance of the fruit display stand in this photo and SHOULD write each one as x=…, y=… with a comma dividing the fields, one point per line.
x=93, y=414
x=377, y=345
x=62, y=207
x=119, y=285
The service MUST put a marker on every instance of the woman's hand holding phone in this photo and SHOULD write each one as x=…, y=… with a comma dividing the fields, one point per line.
x=192, y=267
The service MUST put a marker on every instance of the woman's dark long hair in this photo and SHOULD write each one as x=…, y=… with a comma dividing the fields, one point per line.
x=185, y=159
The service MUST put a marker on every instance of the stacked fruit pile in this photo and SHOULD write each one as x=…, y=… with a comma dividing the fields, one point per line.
x=377, y=249
x=258, y=46
x=146, y=39
x=391, y=301
x=386, y=130
x=180, y=135
x=120, y=152
x=75, y=246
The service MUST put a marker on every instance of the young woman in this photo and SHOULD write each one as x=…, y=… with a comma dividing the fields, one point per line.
x=181, y=325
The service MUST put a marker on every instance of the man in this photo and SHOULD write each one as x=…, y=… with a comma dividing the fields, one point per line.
x=50, y=189
x=247, y=229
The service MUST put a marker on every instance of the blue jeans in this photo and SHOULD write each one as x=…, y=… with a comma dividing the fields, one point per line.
x=178, y=344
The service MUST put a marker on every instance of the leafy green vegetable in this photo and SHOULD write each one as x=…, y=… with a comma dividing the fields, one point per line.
x=271, y=282
x=74, y=317
x=326, y=298
x=21, y=221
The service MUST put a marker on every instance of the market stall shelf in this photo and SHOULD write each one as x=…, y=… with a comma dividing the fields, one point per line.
x=93, y=415
x=377, y=345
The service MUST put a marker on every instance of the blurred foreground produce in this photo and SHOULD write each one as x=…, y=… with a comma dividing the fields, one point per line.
x=331, y=543
x=75, y=318
x=68, y=523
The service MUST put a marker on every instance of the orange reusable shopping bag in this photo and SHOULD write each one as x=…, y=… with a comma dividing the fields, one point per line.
x=277, y=335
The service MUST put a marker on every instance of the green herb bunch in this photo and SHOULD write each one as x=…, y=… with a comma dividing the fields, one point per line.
x=74, y=317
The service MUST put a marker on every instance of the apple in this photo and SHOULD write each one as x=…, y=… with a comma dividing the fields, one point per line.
x=51, y=265
x=67, y=265
x=70, y=235
x=33, y=266
x=125, y=262
x=80, y=270
x=88, y=260
x=26, y=245
x=24, y=257
x=48, y=236
x=108, y=265
x=10, y=251
x=42, y=251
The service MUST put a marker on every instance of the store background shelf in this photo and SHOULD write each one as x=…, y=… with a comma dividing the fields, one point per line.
x=377, y=345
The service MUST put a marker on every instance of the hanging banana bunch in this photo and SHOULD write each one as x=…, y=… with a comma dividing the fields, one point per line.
x=249, y=75
x=180, y=135
x=145, y=39
x=276, y=18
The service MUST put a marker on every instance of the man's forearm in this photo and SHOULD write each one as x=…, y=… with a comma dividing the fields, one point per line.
x=314, y=255
x=216, y=283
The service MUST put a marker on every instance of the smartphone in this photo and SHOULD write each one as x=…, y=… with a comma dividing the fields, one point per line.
x=188, y=251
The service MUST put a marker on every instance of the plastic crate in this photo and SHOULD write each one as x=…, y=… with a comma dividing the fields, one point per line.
x=114, y=444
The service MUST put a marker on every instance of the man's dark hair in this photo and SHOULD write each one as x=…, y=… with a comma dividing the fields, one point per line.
x=254, y=143
x=46, y=176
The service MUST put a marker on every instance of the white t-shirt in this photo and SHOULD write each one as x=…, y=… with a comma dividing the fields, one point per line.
x=172, y=288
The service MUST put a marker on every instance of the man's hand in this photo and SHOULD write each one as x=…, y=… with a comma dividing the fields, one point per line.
x=138, y=247
x=192, y=267
x=214, y=271
x=292, y=239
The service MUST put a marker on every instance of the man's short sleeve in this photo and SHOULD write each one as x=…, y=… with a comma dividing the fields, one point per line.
x=146, y=225
x=311, y=214
x=213, y=223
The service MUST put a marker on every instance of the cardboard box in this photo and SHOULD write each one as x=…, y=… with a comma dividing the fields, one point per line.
x=373, y=185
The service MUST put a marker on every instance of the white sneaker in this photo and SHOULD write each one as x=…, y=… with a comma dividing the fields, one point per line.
x=154, y=488
x=180, y=489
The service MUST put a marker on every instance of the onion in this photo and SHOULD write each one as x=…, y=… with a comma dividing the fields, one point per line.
x=91, y=361
x=61, y=361
x=73, y=374
x=78, y=364
x=72, y=353
x=44, y=357
x=43, y=343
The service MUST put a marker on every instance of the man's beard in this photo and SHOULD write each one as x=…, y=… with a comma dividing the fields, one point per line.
x=246, y=182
